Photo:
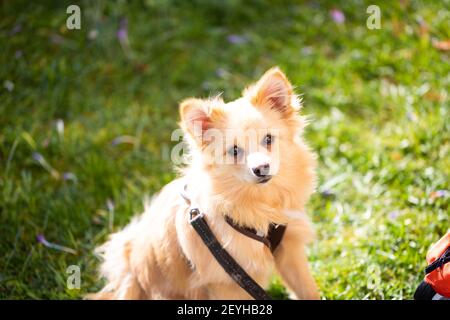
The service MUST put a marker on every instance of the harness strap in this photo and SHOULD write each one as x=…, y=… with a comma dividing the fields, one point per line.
x=275, y=235
x=273, y=238
x=198, y=222
x=249, y=232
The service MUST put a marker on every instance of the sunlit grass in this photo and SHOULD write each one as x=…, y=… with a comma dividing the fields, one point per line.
x=378, y=102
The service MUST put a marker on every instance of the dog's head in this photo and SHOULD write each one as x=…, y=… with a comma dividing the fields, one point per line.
x=252, y=142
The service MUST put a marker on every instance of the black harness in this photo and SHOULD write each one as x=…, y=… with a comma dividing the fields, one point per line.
x=234, y=270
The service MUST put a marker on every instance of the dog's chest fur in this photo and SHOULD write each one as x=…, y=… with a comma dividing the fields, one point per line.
x=253, y=256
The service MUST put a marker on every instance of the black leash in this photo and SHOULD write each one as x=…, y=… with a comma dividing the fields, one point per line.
x=443, y=259
x=198, y=222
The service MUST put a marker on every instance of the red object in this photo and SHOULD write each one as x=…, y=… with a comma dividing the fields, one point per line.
x=439, y=278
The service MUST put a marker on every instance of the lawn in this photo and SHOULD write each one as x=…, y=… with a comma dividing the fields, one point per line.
x=86, y=117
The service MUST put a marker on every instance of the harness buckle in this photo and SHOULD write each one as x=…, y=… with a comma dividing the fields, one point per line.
x=194, y=213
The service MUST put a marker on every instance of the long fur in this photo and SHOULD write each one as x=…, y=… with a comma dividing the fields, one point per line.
x=159, y=256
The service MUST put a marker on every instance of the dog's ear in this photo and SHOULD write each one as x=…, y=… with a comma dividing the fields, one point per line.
x=198, y=116
x=194, y=115
x=274, y=90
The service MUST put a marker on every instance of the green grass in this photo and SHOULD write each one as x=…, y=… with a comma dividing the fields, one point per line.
x=378, y=102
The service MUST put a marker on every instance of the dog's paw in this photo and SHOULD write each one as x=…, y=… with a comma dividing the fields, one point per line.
x=305, y=295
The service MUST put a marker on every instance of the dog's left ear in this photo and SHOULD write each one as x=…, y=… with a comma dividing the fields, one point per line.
x=274, y=90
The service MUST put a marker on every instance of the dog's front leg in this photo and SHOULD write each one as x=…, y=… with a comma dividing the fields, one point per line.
x=292, y=264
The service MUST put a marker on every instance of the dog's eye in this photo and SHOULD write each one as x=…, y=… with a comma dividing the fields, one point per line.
x=268, y=139
x=234, y=150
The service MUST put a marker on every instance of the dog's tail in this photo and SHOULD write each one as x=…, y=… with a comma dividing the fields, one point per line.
x=115, y=268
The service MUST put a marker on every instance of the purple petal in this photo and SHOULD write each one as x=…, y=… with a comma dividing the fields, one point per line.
x=307, y=50
x=123, y=139
x=122, y=33
x=16, y=29
x=236, y=39
x=41, y=238
x=69, y=176
x=439, y=194
x=18, y=54
x=328, y=194
x=394, y=214
x=38, y=157
x=222, y=73
x=337, y=16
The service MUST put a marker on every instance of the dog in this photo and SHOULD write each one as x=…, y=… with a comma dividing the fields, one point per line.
x=257, y=170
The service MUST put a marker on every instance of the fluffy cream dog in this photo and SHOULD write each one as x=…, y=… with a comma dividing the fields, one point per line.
x=160, y=256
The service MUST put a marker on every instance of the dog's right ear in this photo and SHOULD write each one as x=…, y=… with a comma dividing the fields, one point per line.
x=198, y=116
x=194, y=115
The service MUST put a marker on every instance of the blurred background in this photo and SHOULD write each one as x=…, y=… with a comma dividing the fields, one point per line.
x=86, y=118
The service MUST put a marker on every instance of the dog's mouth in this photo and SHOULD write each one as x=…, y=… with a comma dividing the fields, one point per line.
x=264, y=179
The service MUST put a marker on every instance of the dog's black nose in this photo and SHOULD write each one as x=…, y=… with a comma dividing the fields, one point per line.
x=262, y=170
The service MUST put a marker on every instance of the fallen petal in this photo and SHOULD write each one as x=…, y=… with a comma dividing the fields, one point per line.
x=442, y=45
x=9, y=85
x=60, y=126
x=236, y=39
x=337, y=16
x=439, y=194
x=70, y=176
x=41, y=239
x=124, y=139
